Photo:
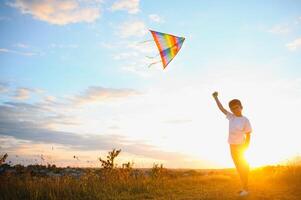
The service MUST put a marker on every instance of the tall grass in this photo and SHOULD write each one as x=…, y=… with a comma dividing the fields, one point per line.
x=112, y=182
x=121, y=184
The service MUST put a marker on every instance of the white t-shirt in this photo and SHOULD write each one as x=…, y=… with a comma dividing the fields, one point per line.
x=238, y=127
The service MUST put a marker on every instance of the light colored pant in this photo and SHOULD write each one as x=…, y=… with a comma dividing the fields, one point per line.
x=241, y=164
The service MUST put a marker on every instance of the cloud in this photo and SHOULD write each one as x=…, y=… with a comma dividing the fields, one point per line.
x=99, y=94
x=131, y=6
x=21, y=45
x=32, y=132
x=132, y=29
x=134, y=56
x=94, y=128
x=280, y=29
x=155, y=18
x=131, y=50
x=41, y=115
x=125, y=55
x=24, y=111
x=50, y=99
x=59, y=12
x=4, y=50
x=143, y=48
x=22, y=94
x=3, y=87
x=296, y=44
x=14, y=123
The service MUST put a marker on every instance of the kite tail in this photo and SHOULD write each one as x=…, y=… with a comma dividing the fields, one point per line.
x=153, y=63
x=152, y=57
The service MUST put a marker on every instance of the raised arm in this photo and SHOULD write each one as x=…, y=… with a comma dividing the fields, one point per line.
x=220, y=106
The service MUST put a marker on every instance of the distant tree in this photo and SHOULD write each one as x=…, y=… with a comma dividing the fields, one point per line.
x=109, y=162
x=128, y=165
x=157, y=170
x=3, y=158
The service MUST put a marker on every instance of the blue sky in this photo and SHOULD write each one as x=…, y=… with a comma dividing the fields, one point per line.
x=78, y=69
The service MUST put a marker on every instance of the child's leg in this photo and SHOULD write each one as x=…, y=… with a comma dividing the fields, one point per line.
x=242, y=166
x=245, y=170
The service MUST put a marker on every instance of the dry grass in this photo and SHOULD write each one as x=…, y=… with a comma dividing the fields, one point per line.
x=265, y=183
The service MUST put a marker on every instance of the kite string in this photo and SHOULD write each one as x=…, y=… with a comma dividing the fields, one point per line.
x=146, y=41
x=153, y=63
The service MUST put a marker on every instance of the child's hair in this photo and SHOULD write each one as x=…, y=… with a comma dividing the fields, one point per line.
x=234, y=102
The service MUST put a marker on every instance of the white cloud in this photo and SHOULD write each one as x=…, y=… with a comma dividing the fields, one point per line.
x=141, y=64
x=134, y=56
x=297, y=21
x=294, y=45
x=148, y=47
x=3, y=87
x=155, y=18
x=138, y=67
x=50, y=98
x=99, y=94
x=133, y=28
x=59, y=12
x=25, y=93
x=280, y=29
x=4, y=50
x=21, y=45
x=22, y=94
x=131, y=6
x=125, y=55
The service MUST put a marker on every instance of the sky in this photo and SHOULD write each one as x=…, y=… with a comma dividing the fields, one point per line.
x=75, y=81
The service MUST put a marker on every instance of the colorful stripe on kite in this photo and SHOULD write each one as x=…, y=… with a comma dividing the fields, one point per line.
x=168, y=45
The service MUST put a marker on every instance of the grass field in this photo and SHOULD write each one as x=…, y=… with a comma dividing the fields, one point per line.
x=272, y=182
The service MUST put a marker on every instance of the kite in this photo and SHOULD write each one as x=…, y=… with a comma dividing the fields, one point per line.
x=168, y=46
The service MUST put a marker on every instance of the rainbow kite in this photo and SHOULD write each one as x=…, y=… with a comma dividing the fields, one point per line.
x=168, y=46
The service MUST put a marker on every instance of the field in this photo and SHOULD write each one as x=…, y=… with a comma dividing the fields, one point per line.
x=271, y=182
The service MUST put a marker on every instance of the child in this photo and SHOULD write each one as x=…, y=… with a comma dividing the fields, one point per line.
x=239, y=139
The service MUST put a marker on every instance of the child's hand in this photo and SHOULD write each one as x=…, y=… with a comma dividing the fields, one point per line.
x=215, y=94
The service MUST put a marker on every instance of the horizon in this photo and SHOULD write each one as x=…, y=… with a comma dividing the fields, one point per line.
x=75, y=81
